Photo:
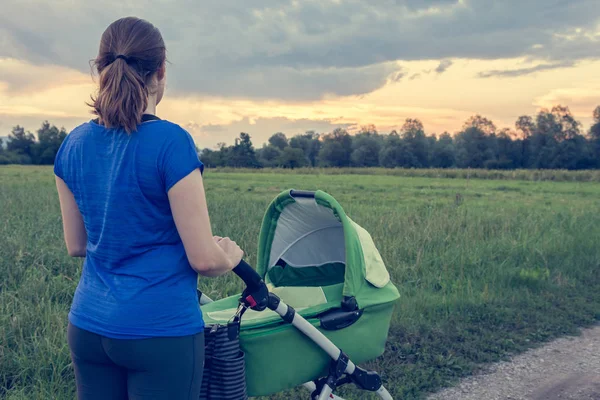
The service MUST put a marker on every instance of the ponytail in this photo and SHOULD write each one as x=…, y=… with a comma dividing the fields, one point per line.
x=131, y=52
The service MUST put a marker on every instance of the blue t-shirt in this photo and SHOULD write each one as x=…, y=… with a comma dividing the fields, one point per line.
x=136, y=280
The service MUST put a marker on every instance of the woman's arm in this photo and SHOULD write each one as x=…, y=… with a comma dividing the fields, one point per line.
x=73, y=227
x=207, y=255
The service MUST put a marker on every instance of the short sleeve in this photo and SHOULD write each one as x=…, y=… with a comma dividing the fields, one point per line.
x=179, y=158
x=59, y=159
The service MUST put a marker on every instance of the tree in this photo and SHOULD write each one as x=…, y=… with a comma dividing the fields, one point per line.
x=222, y=155
x=310, y=144
x=509, y=152
x=595, y=129
x=206, y=156
x=365, y=148
x=572, y=154
x=269, y=156
x=292, y=158
x=413, y=135
x=368, y=130
x=242, y=153
x=49, y=140
x=333, y=154
x=20, y=142
x=396, y=153
x=526, y=126
x=552, y=127
x=550, y=139
x=211, y=158
x=474, y=148
x=443, y=155
x=480, y=123
x=278, y=140
x=542, y=144
x=390, y=152
x=569, y=126
x=595, y=138
x=336, y=149
x=412, y=125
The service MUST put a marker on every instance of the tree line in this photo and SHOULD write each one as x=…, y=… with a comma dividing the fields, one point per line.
x=22, y=147
x=552, y=139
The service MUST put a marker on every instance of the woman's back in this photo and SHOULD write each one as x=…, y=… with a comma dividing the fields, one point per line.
x=133, y=204
x=137, y=281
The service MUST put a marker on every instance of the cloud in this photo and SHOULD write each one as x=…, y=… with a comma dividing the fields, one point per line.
x=289, y=83
x=18, y=77
x=511, y=73
x=30, y=91
x=444, y=65
x=581, y=101
x=260, y=129
x=397, y=75
x=304, y=49
x=211, y=120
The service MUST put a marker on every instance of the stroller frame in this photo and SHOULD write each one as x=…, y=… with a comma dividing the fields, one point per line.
x=342, y=370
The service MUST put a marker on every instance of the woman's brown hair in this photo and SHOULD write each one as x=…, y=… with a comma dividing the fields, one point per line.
x=131, y=51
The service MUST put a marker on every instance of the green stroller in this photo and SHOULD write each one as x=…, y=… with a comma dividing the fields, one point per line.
x=319, y=298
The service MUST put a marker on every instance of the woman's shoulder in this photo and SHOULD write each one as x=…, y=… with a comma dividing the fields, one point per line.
x=163, y=125
x=166, y=131
x=71, y=146
x=77, y=134
x=83, y=129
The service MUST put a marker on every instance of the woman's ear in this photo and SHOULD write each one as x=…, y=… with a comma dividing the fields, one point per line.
x=160, y=74
x=161, y=82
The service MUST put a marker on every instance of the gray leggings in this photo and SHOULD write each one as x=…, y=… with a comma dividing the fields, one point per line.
x=167, y=368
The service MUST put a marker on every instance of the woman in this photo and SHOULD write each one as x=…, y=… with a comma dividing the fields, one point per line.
x=133, y=204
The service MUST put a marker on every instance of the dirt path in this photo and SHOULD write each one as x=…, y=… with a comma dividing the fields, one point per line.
x=565, y=369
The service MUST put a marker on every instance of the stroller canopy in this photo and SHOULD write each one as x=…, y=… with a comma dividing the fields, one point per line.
x=307, y=239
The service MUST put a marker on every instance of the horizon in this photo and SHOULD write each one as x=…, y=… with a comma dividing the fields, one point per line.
x=294, y=66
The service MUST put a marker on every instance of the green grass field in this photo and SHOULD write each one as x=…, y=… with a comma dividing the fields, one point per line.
x=485, y=268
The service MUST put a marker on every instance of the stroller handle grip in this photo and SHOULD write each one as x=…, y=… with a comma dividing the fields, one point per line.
x=256, y=295
x=250, y=277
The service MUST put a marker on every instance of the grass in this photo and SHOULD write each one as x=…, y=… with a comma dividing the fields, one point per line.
x=450, y=173
x=486, y=268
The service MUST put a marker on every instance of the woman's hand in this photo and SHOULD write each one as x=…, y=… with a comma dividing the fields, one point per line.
x=232, y=250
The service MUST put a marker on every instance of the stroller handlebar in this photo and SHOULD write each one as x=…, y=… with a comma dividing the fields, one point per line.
x=302, y=193
x=256, y=295
x=250, y=277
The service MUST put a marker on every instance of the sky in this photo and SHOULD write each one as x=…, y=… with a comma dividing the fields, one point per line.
x=265, y=66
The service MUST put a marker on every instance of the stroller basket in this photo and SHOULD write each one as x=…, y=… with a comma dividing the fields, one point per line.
x=320, y=300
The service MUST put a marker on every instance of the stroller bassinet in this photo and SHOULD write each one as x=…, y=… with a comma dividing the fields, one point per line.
x=314, y=258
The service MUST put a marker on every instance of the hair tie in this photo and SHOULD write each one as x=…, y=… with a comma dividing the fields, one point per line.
x=121, y=56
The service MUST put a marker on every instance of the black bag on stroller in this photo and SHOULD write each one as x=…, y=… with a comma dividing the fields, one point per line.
x=224, y=376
